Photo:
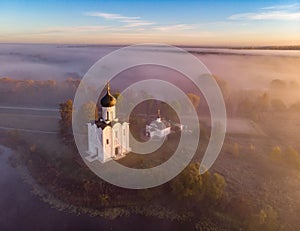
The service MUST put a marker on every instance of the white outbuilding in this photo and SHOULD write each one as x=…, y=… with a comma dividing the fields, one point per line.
x=158, y=128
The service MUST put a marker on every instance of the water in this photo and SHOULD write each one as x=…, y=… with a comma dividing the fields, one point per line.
x=21, y=210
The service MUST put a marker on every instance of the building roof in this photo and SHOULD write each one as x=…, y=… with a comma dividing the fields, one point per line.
x=159, y=124
x=108, y=100
x=102, y=124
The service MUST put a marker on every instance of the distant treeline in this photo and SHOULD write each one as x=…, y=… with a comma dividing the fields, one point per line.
x=290, y=47
x=282, y=47
x=42, y=93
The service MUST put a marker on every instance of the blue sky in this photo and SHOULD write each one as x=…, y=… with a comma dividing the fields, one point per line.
x=127, y=22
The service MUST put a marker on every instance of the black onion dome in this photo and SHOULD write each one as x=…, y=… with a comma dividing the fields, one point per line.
x=108, y=100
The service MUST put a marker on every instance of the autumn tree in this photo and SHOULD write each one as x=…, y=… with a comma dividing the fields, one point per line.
x=264, y=220
x=292, y=156
x=65, y=123
x=117, y=95
x=216, y=188
x=188, y=184
x=246, y=109
x=277, y=84
x=236, y=150
x=195, y=99
x=276, y=154
x=263, y=103
x=295, y=107
x=277, y=105
x=289, y=156
x=225, y=89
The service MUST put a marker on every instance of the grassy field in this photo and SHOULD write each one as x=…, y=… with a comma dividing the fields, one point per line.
x=31, y=122
x=249, y=172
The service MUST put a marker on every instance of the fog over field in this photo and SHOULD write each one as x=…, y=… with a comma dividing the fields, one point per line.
x=42, y=62
x=242, y=69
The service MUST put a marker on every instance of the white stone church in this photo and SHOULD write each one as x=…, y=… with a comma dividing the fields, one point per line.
x=108, y=138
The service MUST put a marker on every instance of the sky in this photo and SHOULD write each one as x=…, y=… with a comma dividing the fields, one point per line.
x=212, y=23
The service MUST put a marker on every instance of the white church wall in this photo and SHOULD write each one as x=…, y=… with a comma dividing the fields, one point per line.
x=94, y=142
x=107, y=143
x=117, y=128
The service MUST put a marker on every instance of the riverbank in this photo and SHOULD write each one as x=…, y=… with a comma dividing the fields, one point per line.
x=21, y=207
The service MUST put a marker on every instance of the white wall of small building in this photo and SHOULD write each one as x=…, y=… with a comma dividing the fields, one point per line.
x=125, y=136
x=158, y=132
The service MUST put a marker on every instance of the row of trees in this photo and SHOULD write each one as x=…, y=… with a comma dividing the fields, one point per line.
x=288, y=155
x=65, y=123
x=254, y=108
x=253, y=104
x=44, y=93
